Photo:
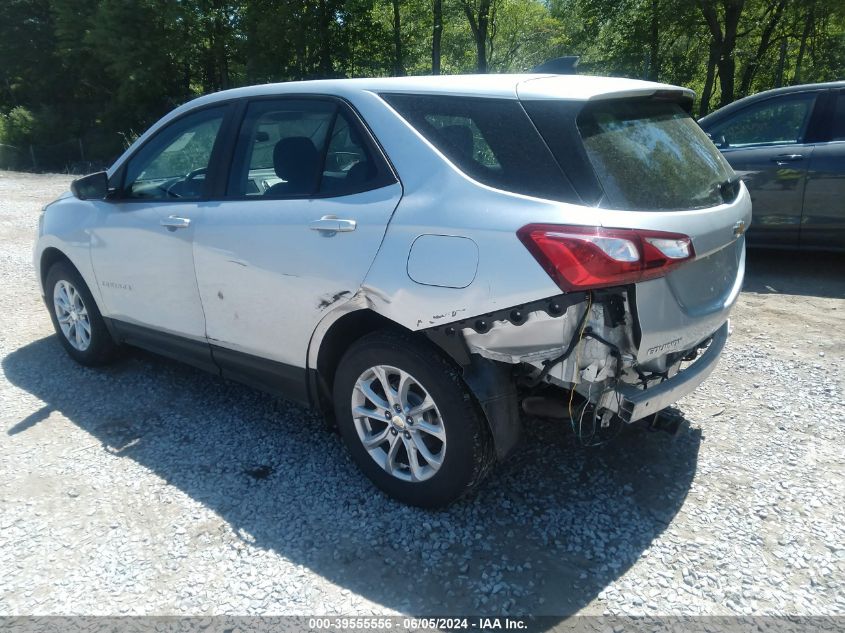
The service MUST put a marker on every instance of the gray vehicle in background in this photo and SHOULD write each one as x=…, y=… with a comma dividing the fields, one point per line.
x=788, y=146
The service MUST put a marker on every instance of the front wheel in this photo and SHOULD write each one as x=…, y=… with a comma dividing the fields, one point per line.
x=76, y=319
x=409, y=420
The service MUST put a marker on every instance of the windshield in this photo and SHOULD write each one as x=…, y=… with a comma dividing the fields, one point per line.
x=652, y=156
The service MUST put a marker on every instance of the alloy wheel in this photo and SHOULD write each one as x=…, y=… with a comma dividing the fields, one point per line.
x=72, y=315
x=398, y=423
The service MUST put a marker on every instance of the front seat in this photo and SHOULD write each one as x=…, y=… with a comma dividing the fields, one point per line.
x=297, y=162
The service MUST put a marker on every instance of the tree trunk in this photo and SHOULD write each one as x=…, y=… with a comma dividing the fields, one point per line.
x=481, y=37
x=781, y=63
x=219, y=52
x=479, y=25
x=654, y=43
x=491, y=34
x=725, y=40
x=707, y=90
x=727, y=61
x=762, y=47
x=302, y=67
x=324, y=61
x=436, y=36
x=398, y=64
x=802, y=48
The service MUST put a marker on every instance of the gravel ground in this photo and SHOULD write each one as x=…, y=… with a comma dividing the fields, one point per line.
x=151, y=488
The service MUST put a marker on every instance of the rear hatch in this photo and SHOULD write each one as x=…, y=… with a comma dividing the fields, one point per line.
x=635, y=155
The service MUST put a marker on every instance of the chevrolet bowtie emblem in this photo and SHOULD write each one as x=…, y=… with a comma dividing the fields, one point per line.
x=739, y=228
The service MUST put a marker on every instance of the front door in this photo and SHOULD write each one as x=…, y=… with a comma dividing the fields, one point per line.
x=141, y=248
x=308, y=202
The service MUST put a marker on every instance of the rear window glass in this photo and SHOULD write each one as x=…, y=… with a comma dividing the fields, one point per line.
x=491, y=140
x=652, y=156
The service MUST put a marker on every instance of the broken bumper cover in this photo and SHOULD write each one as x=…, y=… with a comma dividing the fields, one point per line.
x=636, y=403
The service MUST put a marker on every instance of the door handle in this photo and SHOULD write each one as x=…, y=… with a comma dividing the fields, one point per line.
x=174, y=222
x=333, y=225
x=787, y=158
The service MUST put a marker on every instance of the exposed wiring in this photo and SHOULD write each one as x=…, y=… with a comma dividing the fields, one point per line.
x=614, y=350
x=582, y=332
x=577, y=341
x=576, y=338
x=571, y=396
x=589, y=440
x=580, y=432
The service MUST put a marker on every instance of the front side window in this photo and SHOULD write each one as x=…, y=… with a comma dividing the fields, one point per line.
x=491, y=140
x=778, y=121
x=173, y=164
x=652, y=156
x=293, y=148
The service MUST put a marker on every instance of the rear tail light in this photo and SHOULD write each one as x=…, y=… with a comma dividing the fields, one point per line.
x=582, y=257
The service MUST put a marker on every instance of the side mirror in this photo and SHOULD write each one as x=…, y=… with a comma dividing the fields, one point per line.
x=91, y=187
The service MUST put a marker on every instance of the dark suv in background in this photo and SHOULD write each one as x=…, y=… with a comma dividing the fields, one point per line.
x=788, y=145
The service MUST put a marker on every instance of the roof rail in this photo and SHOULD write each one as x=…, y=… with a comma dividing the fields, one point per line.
x=567, y=65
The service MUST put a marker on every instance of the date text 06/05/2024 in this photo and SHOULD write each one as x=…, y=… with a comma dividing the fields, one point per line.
x=417, y=624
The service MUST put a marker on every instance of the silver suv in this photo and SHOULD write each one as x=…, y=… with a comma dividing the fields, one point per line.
x=415, y=257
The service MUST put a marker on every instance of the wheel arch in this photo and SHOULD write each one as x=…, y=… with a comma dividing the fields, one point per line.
x=52, y=255
x=488, y=381
x=329, y=344
x=49, y=257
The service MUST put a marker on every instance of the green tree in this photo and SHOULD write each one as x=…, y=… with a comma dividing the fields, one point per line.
x=90, y=74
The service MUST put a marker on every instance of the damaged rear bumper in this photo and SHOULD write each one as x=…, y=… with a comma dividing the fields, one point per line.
x=636, y=403
x=580, y=342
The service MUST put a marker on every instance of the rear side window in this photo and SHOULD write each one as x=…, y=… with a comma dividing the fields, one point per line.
x=652, y=156
x=491, y=140
x=350, y=165
x=294, y=148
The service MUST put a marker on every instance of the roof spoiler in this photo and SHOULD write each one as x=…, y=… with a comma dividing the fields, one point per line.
x=559, y=66
x=681, y=97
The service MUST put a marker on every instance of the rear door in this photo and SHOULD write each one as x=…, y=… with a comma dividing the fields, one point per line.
x=766, y=143
x=308, y=199
x=823, y=220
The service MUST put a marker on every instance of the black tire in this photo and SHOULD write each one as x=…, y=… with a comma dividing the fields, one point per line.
x=101, y=349
x=469, y=453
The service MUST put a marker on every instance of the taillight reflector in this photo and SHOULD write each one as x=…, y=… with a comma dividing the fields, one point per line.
x=584, y=257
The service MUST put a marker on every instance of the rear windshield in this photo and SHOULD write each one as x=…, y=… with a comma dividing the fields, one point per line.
x=651, y=155
x=491, y=140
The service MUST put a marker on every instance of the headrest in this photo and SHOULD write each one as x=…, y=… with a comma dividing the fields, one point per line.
x=295, y=159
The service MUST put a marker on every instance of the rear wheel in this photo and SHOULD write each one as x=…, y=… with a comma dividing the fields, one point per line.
x=76, y=319
x=409, y=421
